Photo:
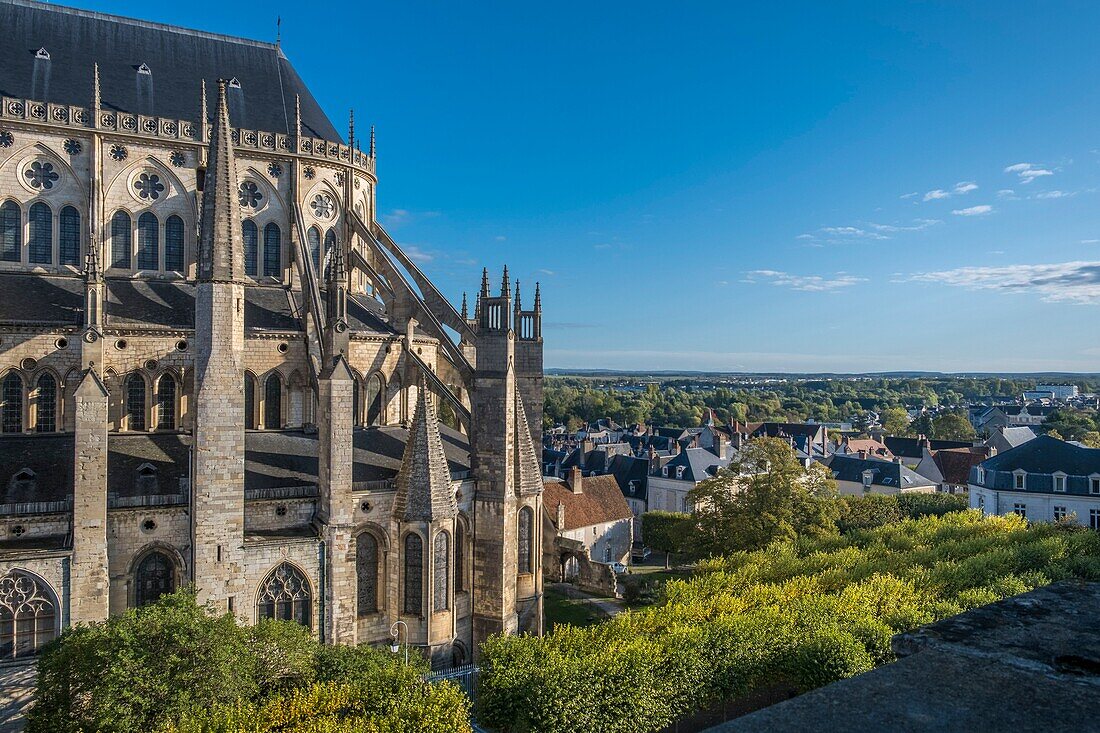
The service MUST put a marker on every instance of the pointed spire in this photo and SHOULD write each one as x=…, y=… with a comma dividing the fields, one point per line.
x=465, y=312
x=92, y=270
x=505, y=291
x=371, y=151
x=351, y=128
x=538, y=298
x=518, y=307
x=477, y=307
x=220, y=247
x=485, y=282
x=424, y=481
x=96, y=101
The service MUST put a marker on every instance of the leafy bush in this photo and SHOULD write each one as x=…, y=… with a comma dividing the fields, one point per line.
x=176, y=667
x=867, y=512
x=799, y=613
x=916, y=506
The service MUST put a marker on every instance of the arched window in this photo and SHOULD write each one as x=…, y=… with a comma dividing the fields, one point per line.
x=166, y=402
x=285, y=596
x=148, y=242
x=460, y=556
x=356, y=409
x=273, y=402
x=46, y=404
x=249, y=401
x=12, y=394
x=366, y=573
x=120, y=240
x=28, y=615
x=68, y=230
x=273, y=266
x=135, y=402
x=11, y=232
x=414, y=574
x=40, y=242
x=374, y=400
x=313, y=238
x=526, y=520
x=173, y=244
x=155, y=576
x=330, y=247
x=442, y=556
x=399, y=398
x=251, y=245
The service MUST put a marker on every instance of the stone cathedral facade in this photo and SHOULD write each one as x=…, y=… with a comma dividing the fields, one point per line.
x=217, y=368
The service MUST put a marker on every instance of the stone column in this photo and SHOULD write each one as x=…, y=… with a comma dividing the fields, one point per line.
x=335, y=459
x=89, y=585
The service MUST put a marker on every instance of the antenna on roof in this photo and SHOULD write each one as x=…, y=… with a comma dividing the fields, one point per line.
x=278, y=29
x=351, y=128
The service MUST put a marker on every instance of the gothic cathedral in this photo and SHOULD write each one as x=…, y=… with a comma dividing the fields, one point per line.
x=218, y=369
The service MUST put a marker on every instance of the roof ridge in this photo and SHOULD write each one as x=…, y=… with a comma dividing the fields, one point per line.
x=124, y=20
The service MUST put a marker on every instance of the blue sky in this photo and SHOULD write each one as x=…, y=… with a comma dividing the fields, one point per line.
x=721, y=186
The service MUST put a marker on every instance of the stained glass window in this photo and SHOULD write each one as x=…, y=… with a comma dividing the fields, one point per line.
x=28, y=617
x=251, y=244
x=155, y=576
x=313, y=238
x=166, y=403
x=414, y=574
x=40, y=242
x=285, y=596
x=11, y=232
x=135, y=401
x=173, y=244
x=148, y=242
x=442, y=559
x=120, y=240
x=366, y=572
x=46, y=421
x=330, y=247
x=249, y=401
x=69, y=236
x=460, y=556
x=273, y=266
x=525, y=522
x=374, y=400
x=273, y=403
x=13, y=404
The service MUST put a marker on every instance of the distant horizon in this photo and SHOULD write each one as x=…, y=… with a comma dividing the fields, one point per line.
x=894, y=374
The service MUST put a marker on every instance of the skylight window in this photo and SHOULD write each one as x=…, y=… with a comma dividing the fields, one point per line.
x=42, y=53
x=234, y=83
x=144, y=69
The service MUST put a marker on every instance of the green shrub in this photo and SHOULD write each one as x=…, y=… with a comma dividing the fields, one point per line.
x=916, y=506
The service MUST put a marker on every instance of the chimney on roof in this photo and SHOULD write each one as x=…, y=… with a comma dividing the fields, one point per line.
x=863, y=454
x=897, y=460
x=576, y=480
x=561, y=517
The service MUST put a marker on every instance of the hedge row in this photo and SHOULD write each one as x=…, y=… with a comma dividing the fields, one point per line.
x=798, y=614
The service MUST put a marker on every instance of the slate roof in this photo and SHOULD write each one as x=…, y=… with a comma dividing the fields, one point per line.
x=273, y=460
x=626, y=469
x=424, y=481
x=599, y=501
x=1016, y=435
x=178, y=58
x=1047, y=455
x=58, y=300
x=884, y=473
x=698, y=463
x=911, y=447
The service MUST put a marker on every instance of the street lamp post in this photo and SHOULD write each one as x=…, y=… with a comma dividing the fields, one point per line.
x=395, y=645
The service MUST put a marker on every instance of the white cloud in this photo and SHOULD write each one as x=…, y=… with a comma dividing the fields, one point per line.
x=500, y=238
x=1028, y=172
x=548, y=273
x=1066, y=282
x=805, y=236
x=910, y=195
x=965, y=187
x=916, y=226
x=804, y=283
x=974, y=210
x=938, y=193
x=850, y=233
x=1090, y=241
x=417, y=255
x=1055, y=194
x=1006, y=193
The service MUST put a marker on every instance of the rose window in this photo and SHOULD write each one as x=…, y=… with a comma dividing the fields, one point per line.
x=118, y=152
x=322, y=205
x=148, y=186
x=40, y=175
x=249, y=195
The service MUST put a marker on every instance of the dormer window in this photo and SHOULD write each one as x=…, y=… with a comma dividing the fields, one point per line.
x=145, y=478
x=234, y=83
x=632, y=487
x=42, y=54
x=981, y=475
x=1020, y=480
x=664, y=471
x=868, y=478
x=1060, y=482
x=1094, y=484
x=144, y=69
x=24, y=480
x=679, y=472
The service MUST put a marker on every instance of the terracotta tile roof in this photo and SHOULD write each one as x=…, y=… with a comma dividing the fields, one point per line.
x=955, y=463
x=599, y=501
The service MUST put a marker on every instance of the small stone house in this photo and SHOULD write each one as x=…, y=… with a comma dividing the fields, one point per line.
x=588, y=526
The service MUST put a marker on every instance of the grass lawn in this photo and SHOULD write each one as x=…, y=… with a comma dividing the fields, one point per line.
x=559, y=609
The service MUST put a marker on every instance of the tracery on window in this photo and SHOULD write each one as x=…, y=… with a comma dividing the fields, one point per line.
x=442, y=558
x=166, y=402
x=135, y=402
x=251, y=245
x=366, y=573
x=272, y=251
x=273, y=402
x=11, y=413
x=173, y=244
x=148, y=257
x=120, y=240
x=525, y=522
x=68, y=230
x=40, y=174
x=323, y=206
x=11, y=232
x=40, y=242
x=46, y=420
x=414, y=574
x=249, y=401
x=285, y=595
x=148, y=186
x=155, y=576
x=249, y=195
x=28, y=616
